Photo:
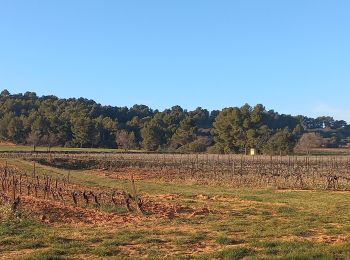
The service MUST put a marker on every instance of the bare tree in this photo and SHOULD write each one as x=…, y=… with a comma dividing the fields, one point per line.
x=49, y=140
x=126, y=140
x=308, y=141
x=33, y=139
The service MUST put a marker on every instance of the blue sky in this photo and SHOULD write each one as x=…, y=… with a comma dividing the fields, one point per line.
x=293, y=56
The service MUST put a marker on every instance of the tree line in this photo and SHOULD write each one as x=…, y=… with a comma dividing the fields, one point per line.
x=52, y=121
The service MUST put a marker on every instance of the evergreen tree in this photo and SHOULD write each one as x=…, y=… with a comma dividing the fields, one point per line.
x=154, y=135
x=185, y=134
x=281, y=143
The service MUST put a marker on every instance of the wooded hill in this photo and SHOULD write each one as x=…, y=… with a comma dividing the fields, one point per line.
x=48, y=120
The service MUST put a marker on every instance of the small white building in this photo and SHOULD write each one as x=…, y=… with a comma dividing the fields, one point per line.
x=252, y=151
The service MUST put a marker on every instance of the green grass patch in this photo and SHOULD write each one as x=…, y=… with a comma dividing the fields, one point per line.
x=226, y=240
x=192, y=238
x=49, y=254
x=234, y=253
x=303, y=250
x=27, y=148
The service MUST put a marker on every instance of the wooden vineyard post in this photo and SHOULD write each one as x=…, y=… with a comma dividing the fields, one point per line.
x=14, y=184
x=36, y=190
x=232, y=170
x=133, y=187
x=20, y=184
x=137, y=199
x=6, y=170
x=34, y=169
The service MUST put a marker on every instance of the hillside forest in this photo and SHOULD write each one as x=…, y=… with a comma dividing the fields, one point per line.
x=79, y=122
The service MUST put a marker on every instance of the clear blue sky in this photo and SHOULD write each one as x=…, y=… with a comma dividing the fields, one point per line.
x=292, y=55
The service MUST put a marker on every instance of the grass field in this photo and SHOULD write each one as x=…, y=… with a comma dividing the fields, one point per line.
x=26, y=148
x=10, y=147
x=225, y=223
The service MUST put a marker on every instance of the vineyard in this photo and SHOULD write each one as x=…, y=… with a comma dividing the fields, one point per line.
x=172, y=205
x=282, y=172
x=16, y=184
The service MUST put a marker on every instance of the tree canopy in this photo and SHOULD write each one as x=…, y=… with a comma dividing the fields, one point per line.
x=48, y=120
